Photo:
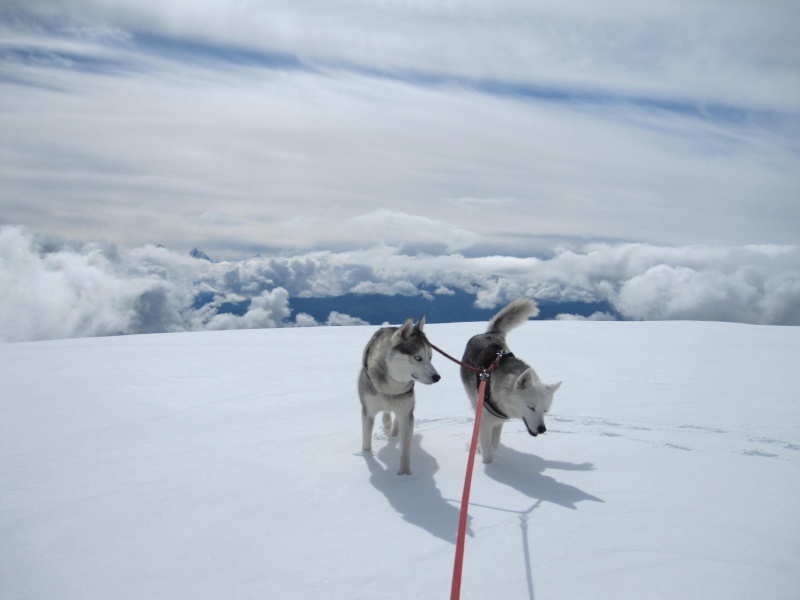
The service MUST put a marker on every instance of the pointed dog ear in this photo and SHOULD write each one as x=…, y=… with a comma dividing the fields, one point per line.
x=420, y=324
x=525, y=380
x=555, y=386
x=404, y=332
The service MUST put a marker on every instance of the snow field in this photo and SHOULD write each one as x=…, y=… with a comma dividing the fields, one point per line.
x=228, y=465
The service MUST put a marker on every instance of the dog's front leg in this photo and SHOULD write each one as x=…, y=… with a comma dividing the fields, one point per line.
x=406, y=435
x=496, y=431
x=367, y=424
x=485, y=439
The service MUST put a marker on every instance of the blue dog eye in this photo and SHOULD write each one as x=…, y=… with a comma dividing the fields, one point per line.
x=418, y=358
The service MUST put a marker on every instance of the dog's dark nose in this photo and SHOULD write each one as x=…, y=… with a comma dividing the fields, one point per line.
x=436, y=378
x=542, y=428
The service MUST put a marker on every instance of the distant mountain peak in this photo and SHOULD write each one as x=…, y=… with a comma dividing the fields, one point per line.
x=195, y=253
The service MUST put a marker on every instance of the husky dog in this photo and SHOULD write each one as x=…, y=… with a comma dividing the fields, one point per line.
x=394, y=359
x=513, y=390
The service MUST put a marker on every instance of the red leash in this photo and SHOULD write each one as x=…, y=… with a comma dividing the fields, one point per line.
x=455, y=589
x=484, y=374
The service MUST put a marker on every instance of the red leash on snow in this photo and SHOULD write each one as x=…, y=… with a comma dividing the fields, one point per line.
x=455, y=589
x=484, y=375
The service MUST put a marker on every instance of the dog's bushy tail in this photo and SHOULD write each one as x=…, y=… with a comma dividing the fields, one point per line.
x=515, y=314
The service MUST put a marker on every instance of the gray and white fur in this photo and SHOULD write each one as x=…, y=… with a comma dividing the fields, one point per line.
x=394, y=359
x=514, y=387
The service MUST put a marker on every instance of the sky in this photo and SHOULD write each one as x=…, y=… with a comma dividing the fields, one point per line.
x=454, y=130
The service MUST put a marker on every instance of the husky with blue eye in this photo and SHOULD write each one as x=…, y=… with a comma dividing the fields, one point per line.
x=514, y=390
x=394, y=360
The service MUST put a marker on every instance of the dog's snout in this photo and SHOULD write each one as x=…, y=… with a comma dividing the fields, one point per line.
x=436, y=378
x=542, y=428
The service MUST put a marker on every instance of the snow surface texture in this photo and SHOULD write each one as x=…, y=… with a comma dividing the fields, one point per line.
x=227, y=465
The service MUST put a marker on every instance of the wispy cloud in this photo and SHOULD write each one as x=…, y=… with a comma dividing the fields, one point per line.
x=412, y=231
x=138, y=122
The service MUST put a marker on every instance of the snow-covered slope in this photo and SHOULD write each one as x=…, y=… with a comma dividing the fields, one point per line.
x=227, y=465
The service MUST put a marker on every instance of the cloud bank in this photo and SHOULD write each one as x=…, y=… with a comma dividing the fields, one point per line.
x=57, y=289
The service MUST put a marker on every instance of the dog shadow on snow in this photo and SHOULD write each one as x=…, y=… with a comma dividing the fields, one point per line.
x=524, y=472
x=415, y=497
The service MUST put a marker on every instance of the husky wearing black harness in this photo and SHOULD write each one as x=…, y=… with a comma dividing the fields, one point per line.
x=514, y=390
x=394, y=359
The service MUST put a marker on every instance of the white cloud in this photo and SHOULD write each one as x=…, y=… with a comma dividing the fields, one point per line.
x=337, y=319
x=306, y=320
x=250, y=127
x=394, y=288
x=302, y=222
x=215, y=219
x=484, y=206
x=64, y=291
x=674, y=48
x=56, y=289
x=403, y=229
x=268, y=309
x=596, y=316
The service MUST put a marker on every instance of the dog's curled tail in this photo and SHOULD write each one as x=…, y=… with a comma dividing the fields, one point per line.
x=515, y=314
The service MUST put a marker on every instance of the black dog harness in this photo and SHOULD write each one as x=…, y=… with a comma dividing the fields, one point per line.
x=490, y=353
